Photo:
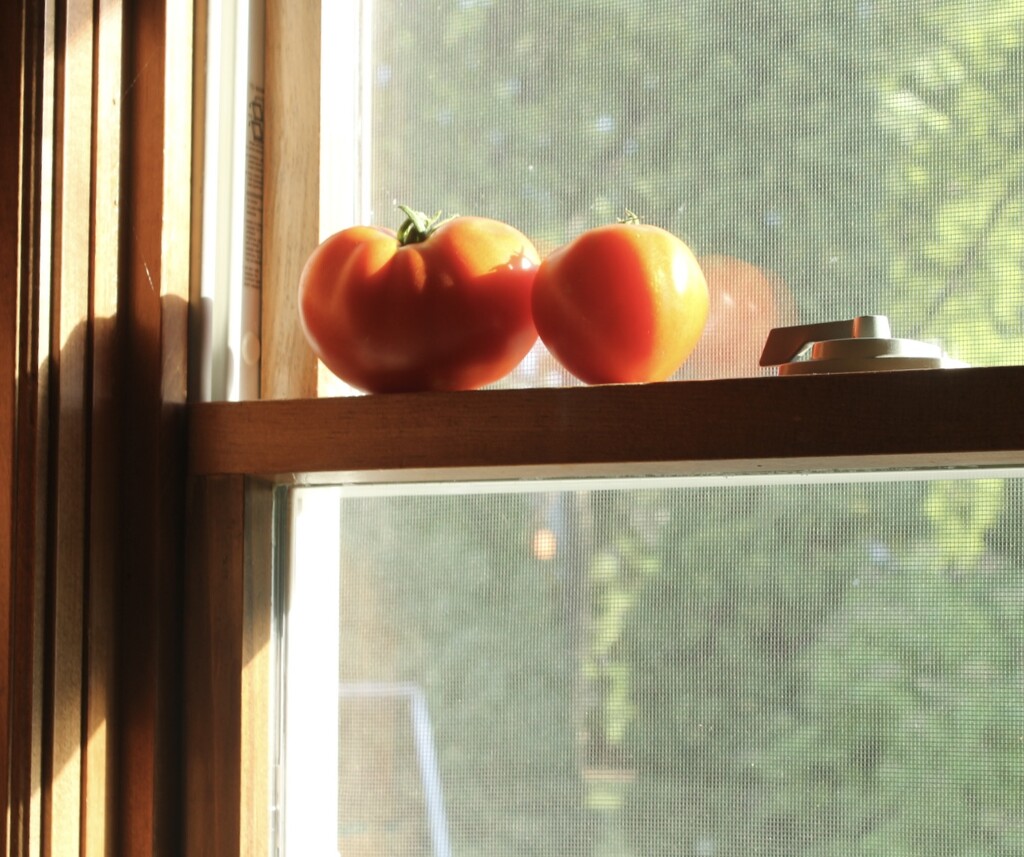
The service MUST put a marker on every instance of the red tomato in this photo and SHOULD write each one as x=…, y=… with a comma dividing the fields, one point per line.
x=746, y=303
x=621, y=303
x=440, y=306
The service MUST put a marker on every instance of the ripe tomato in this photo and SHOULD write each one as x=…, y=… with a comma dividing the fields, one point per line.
x=746, y=303
x=621, y=303
x=439, y=306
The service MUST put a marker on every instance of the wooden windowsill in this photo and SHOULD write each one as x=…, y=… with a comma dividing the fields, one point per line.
x=863, y=421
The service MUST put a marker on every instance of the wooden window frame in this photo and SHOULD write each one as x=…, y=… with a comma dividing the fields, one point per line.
x=933, y=420
x=94, y=311
x=155, y=513
x=239, y=453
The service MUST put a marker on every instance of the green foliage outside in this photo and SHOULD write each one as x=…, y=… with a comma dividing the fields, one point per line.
x=871, y=152
x=768, y=670
x=841, y=684
x=816, y=671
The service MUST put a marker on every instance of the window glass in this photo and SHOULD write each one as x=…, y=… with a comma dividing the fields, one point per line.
x=730, y=668
x=658, y=669
x=825, y=160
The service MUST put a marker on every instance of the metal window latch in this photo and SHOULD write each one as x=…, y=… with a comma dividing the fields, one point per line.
x=862, y=344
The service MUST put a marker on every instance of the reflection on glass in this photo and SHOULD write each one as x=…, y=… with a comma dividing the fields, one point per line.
x=795, y=670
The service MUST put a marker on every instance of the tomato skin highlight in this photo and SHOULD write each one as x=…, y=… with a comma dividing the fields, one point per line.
x=623, y=303
x=451, y=312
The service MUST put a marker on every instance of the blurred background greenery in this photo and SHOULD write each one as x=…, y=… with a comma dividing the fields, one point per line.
x=870, y=153
x=801, y=669
x=816, y=670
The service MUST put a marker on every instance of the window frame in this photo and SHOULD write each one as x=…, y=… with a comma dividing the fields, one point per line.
x=93, y=344
x=915, y=419
x=240, y=454
x=172, y=503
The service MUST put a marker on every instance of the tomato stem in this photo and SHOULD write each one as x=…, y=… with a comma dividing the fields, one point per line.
x=418, y=226
x=630, y=217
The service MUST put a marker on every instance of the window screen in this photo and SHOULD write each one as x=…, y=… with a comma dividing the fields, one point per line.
x=724, y=669
x=808, y=670
x=823, y=159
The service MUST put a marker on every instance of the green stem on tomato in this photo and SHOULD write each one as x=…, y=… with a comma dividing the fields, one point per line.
x=418, y=226
x=630, y=217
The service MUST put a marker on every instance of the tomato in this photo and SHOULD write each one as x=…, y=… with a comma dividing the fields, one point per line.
x=621, y=303
x=746, y=303
x=439, y=306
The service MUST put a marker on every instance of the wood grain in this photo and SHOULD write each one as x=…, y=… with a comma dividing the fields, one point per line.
x=29, y=559
x=200, y=46
x=257, y=671
x=64, y=687
x=153, y=314
x=291, y=192
x=213, y=684
x=94, y=258
x=934, y=418
x=11, y=53
x=99, y=785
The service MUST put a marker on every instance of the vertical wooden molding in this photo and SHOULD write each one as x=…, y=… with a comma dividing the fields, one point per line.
x=213, y=667
x=70, y=413
x=95, y=244
x=291, y=192
x=99, y=784
x=11, y=56
x=257, y=666
x=153, y=315
x=200, y=49
x=176, y=237
x=97, y=283
x=30, y=507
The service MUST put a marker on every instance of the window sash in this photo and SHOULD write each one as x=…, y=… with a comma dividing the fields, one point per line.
x=802, y=424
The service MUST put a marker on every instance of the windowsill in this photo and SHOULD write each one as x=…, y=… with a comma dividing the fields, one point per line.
x=928, y=419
